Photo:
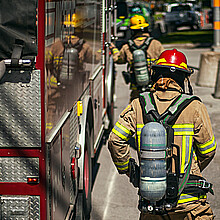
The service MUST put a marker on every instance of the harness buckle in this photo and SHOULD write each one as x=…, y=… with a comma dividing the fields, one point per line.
x=204, y=184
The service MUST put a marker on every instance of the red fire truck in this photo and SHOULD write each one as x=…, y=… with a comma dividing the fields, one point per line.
x=56, y=101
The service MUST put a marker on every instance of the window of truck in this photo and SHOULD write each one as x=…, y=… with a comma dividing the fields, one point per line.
x=18, y=25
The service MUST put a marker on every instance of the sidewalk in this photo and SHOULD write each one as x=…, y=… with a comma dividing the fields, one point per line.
x=212, y=173
x=213, y=106
x=213, y=170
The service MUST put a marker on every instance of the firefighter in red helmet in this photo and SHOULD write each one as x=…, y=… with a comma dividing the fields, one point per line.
x=188, y=137
x=130, y=52
x=172, y=64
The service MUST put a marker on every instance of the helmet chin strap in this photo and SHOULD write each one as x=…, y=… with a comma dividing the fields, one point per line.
x=189, y=86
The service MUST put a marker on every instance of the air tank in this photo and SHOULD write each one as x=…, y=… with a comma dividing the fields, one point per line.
x=153, y=162
x=69, y=64
x=140, y=67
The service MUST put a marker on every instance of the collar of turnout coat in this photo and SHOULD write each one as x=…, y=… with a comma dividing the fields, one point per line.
x=166, y=89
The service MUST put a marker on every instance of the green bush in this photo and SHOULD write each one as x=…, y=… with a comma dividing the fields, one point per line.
x=203, y=36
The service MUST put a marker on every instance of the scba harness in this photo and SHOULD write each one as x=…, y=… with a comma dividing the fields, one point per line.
x=159, y=177
x=140, y=65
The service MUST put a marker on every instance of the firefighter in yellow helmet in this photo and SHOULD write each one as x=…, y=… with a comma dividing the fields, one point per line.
x=130, y=53
x=174, y=141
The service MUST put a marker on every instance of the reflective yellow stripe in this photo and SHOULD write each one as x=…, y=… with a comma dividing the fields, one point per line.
x=49, y=125
x=52, y=81
x=122, y=165
x=183, y=126
x=187, y=132
x=190, y=198
x=207, y=143
x=115, y=50
x=209, y=150
x=124, y=168
x=151, y=59
x=190, y=146
x=124, y=134
x=50, y=54
x=184, y=65
x=123, y=128
x=141, y=38
x=183, y=155
x=183, y=133
x=139, y=140
x=139, y=127
x=183, y=129
x=208, y=146
x=119, y=134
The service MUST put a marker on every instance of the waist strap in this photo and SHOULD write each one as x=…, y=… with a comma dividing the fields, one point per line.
x=197, y=183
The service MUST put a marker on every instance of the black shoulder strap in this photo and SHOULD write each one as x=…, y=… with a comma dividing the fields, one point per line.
x=150, y=112
x=132, y=45
x=179, y=108
x=147, y=106
x=78, y=45
x=144, y=46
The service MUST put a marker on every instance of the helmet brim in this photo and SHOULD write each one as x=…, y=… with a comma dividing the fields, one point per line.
x=172, y=69
x=139, y=26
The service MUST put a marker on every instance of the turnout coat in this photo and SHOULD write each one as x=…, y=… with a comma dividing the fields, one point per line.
x=192, y=133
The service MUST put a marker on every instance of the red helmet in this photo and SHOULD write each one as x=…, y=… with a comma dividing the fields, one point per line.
x=172, y=59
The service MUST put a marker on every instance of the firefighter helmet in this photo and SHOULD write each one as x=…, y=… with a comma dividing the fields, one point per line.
x=138, y=22
x=171, y=64
x=172, y=59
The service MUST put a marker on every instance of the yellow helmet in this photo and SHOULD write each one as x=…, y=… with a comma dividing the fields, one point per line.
x=138, y=22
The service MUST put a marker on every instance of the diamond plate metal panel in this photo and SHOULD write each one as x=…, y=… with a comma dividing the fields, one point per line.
x=17, y=169
x=20, y=207
x=20, y=104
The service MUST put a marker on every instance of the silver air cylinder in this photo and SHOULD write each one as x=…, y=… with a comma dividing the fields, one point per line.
x=140, y=68
x=69, y=64
x=153, y=162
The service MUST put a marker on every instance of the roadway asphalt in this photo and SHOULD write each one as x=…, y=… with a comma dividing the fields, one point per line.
x=113, y=196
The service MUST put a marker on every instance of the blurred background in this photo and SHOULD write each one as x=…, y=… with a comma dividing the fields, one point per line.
x=189, y=18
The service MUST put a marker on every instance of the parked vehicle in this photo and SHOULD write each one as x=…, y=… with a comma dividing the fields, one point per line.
x=179, y=15
x=56, y=102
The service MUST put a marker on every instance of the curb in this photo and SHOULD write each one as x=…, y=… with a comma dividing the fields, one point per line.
x=188, y=45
